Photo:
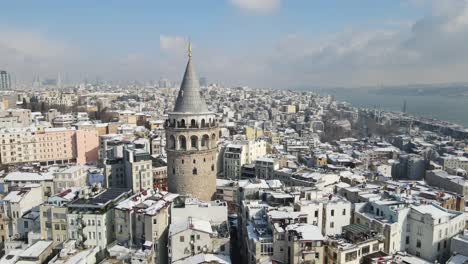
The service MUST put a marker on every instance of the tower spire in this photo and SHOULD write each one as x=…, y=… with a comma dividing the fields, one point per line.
x=190, y=49
x=189, y=98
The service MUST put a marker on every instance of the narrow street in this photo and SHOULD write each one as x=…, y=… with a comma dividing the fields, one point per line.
x=235, y=247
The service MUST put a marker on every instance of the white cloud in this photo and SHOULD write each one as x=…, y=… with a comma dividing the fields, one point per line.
x=172, y=44
x=31, y=44
x=431, y=49
x=257, y=6
x=27, y=54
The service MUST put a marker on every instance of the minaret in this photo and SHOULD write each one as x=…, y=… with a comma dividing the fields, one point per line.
x=191, y=136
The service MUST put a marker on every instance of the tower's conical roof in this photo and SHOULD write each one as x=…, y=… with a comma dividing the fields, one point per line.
x=190, y=98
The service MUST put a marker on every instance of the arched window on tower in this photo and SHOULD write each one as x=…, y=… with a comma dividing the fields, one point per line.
x=194, y=142
x=182, y=142
x=203, y=123
x=182, y=123
x=205, y=141
x=172, y=142
x=194, y=171
x=193, y=123
x=212, y=167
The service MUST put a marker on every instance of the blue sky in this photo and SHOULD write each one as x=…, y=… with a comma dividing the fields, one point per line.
x=134, y=24
x=238, y=42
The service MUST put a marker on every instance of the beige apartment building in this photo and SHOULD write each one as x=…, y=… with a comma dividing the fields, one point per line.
x=48, y=146
x=15, y=118
x=58, y=98
x=53, y=216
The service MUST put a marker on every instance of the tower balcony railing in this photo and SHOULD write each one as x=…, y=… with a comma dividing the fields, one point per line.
x=190, y=126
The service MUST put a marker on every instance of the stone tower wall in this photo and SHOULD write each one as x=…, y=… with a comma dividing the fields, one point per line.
x=191, y=168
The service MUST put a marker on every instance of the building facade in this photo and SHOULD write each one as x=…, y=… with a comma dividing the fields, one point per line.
x=48, y=146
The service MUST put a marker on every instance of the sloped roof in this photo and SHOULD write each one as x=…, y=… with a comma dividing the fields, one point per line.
x=190, y=99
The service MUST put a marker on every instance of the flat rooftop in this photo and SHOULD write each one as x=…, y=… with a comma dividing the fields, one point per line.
x=100, y=200
x=36, y=249
x=432, y=210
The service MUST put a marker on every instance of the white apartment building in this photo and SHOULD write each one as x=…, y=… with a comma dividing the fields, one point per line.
x=91, y=217
x=16, y=203
x=144, y=215
x=314, y=211
x=430, y=229
x=329, y=213
x=388, y=218
x=239, y=153
x=126, y=163
x=138, y=169
x=337, y=213
x=68, y=177
x=196, y=237
x=18, y=179
x=421, y=230
x=198, y=228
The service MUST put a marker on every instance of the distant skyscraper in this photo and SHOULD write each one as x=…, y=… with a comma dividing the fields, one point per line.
x=5, y=81
x=404, y=106
x=36, y=81
x=164, y=83
x=59, y=81
x=191, y=132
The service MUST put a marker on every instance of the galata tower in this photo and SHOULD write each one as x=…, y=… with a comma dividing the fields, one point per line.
x=191, y=134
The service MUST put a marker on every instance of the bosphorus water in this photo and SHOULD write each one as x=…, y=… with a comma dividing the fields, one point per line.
x=448, y=108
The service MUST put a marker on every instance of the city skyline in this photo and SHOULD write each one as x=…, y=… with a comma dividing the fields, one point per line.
x=262, y=43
